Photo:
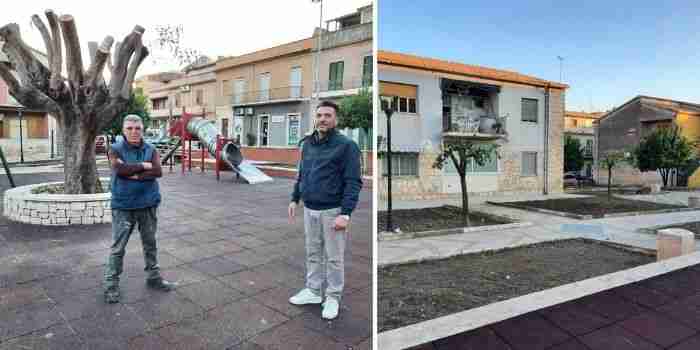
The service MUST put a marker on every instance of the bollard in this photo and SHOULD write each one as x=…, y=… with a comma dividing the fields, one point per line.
x=673, y=242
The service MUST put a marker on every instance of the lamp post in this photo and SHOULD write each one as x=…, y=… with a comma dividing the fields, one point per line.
x=21, y=137
x=388, y=111
x=317, y=63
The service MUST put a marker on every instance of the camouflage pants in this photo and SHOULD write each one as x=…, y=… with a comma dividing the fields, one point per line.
x=123, y=224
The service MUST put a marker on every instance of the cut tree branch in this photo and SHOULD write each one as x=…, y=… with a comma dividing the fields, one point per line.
x=29, y=68
x=74, y=61
x=100, y=57
x=44, y=35
x=27, y=95
x=119, y=72
x=56, y=62
x=139, y=55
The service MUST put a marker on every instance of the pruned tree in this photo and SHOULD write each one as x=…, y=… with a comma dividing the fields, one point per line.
x=82, y=101
x=461, y=152
x=664, y=150
x=610, y=161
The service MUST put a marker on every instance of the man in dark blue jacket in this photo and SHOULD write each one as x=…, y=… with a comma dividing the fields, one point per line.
x=329, y=183
x=135, y=199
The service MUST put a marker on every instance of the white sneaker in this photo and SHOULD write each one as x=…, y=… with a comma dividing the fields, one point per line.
x=305, y=296
x=330, y=308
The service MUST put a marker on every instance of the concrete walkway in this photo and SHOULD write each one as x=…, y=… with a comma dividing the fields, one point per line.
x=545, y=227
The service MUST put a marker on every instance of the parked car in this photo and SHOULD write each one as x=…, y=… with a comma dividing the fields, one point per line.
x=575, y=179
x=101, y=144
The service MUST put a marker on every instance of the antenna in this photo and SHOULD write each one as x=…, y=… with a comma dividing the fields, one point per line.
x=561, y=64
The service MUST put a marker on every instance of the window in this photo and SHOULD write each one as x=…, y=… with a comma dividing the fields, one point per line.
x=402, y=164
x=160, y=103
x=177, y=100
x=225, y=88
x=264, y=84
x=199, y=97
x=490, y=166
x=588, y=149
x=367, y=71
x=292, y=130
x=411, y=105
x=295, y=82
x=529, y=110
x=529, y=165
x=238, y=90
x=335, y=78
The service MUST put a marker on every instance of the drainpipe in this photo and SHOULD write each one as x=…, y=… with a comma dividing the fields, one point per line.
x=546, y=140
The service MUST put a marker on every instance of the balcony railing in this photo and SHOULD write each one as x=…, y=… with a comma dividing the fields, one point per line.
x=345, y=84
x=484, y=128
x=270, y=95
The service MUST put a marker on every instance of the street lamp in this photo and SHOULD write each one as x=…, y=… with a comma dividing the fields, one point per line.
x=317, y=62
x=386, y=107
x=21, y=140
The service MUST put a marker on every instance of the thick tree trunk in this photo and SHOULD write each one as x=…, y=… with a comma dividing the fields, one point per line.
x=80, y=167
x=465, y=200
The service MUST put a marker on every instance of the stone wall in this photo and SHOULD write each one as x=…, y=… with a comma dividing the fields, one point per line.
x=19, y=204
x=555, y=170
x=426, y=186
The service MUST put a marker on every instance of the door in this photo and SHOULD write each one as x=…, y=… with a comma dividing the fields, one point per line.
x=295, y=82
x=264, y=131
x=224, y=128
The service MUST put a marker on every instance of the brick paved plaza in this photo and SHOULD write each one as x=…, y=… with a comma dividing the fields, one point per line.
x=227, y=244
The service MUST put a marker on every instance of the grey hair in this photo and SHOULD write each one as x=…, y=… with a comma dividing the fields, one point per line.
x=133, y=118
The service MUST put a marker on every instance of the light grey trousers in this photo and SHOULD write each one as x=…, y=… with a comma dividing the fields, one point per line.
x=325, y=250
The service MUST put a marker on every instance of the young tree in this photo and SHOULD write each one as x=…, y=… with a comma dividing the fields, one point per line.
x=610, y=161
x=82, y=102
x=138, y=104
x=573, y=154
x=663, y=150
x=356, y=111
x=460, y=152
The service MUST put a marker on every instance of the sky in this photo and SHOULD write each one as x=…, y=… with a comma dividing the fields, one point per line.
x=214, y=28
x=612, y=50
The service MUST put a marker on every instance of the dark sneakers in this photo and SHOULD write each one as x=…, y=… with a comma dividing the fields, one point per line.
x=112, y=295
x=161, y=284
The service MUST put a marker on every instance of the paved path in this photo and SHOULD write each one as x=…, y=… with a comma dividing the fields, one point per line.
x=545, y=227
x=658, y=313
x=228, y=245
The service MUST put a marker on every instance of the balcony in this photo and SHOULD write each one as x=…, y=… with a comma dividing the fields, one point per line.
x=350, y=86
x=346, y=36
x=579, y=130
x=484, y=128
x=275, y=95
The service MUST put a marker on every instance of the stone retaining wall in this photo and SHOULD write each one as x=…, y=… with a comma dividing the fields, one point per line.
x=19, y=204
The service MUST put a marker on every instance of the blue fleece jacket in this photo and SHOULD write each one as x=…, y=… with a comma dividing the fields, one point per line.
x=329, y=173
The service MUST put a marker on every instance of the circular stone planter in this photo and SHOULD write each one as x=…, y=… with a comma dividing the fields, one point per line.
x=20, y=204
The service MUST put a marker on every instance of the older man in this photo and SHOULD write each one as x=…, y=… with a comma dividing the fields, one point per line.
x=329, y=183
x=135, y=199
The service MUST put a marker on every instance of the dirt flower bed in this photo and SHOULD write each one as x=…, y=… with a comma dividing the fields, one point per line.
x=412, y=293
x=436, y=218
x=597, y=205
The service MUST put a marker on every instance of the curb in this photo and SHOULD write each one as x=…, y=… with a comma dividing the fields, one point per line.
x=589, y=217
